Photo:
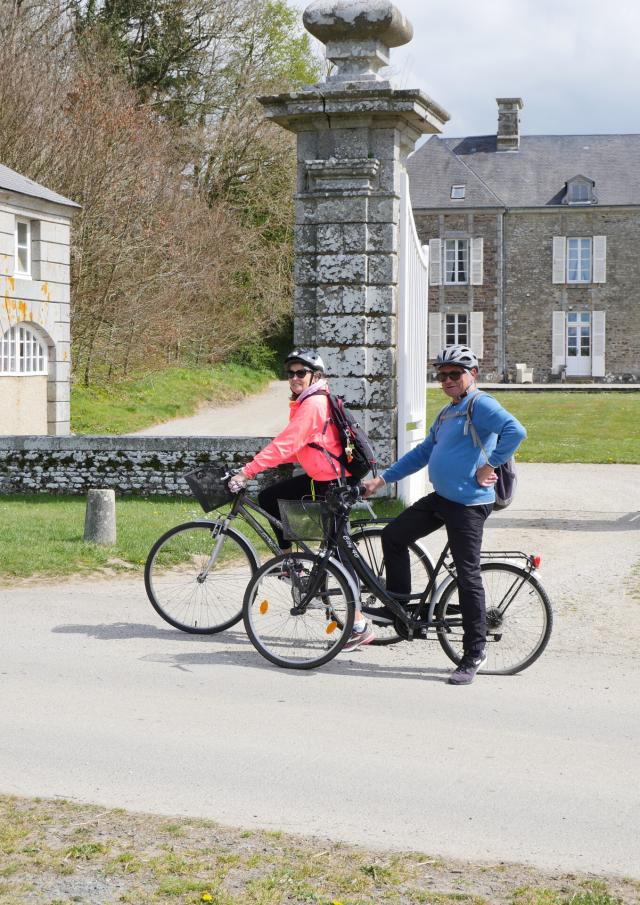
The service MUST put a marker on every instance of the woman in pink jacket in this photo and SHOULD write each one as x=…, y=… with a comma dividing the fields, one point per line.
x=309, y=422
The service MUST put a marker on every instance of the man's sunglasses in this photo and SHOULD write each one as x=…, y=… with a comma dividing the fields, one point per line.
x=449, y=375
x=300, y=373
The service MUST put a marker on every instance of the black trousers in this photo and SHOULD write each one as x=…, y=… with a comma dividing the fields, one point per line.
x=464, y=525
x=291, y=489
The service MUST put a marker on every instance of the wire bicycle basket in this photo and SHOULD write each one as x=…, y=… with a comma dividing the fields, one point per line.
x=306, y=520
x=208, y=487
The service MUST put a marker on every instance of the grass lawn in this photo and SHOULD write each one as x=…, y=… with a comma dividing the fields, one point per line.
x=51, y=529
x=570, y=427
x=130, y=405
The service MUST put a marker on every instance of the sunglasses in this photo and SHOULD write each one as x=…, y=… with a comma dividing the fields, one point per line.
x=449, y=375
x=300, y=373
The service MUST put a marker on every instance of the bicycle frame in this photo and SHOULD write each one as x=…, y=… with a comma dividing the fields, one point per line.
x=339, y=541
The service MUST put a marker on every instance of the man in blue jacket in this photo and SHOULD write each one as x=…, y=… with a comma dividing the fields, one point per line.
x=463, y=496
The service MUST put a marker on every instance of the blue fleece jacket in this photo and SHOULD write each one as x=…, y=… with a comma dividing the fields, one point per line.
x=451, y=456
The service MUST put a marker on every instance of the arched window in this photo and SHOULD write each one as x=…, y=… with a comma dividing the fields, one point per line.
x=21, y=352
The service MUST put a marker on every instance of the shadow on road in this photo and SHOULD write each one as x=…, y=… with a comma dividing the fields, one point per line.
x=236, y=650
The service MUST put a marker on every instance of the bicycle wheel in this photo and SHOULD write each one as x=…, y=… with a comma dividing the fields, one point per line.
x=519, y=619
x=298, y=638
x=368, y=540
x=195, y=576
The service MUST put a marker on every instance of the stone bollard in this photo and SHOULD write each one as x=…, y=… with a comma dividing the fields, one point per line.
x=100, y=517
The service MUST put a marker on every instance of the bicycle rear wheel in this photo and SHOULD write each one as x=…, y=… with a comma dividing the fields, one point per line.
x=190, y=588
x=291, y=636
x=368, y=540
x=519, y=619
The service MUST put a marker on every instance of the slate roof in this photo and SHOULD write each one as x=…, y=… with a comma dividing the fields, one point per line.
x=14, y=182
x=533, y=176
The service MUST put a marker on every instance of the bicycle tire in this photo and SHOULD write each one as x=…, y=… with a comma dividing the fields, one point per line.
x=517, y=635
x=367, y=538
x=302, y=640
x=179, y=589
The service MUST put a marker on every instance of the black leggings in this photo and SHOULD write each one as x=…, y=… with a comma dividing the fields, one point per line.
x=465, y=525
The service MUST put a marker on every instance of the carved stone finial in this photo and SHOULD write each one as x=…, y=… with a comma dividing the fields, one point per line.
x=358, y=35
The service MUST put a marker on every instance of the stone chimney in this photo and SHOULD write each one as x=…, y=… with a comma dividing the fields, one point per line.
x=508, y=137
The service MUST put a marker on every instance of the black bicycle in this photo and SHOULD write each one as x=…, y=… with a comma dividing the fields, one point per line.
x=197, y=572
x=305, y=622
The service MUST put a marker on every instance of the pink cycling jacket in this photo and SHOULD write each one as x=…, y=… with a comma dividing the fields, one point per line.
x=308, y=416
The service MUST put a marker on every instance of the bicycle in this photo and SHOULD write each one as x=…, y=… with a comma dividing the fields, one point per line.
x=306, y=624
x=196, y=573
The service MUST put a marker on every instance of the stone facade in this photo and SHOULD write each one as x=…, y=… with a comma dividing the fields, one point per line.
x=137, y=466
x=354, y=133
x=35, y=356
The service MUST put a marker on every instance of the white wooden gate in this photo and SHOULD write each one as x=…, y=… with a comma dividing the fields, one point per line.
x=412, y=344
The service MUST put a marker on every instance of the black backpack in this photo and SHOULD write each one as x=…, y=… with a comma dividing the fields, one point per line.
x=357, y=456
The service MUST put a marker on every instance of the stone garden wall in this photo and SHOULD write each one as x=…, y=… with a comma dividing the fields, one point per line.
x=138, y=466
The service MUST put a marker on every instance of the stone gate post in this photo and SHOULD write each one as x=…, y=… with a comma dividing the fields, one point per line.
x=354, y=134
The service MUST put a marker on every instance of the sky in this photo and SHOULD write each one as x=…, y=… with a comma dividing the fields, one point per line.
x=574, y=63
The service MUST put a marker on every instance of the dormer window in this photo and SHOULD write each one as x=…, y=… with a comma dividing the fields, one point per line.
x=457, y=192
x=580, y=191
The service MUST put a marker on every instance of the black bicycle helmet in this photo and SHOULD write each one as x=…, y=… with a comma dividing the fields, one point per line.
x=308, y=357
x=457, y=355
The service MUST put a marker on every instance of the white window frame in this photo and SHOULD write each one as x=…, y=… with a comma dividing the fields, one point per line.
x=456, y=328
x=21, y=221
x=459, y=245
x=458, y=192
x=579, y=278
x=22, y=353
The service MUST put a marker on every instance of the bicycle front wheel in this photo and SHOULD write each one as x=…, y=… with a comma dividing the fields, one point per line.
x=519, y=619
x=286, y=629
x=368, y=540
x=196, y=574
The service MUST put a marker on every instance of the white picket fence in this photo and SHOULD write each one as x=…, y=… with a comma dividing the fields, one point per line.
x=412, y=343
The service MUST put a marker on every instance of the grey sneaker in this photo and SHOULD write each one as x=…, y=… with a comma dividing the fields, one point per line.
x=357, y=639
x=467, y=669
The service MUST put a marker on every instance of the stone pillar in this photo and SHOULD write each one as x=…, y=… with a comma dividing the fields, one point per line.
x=354, y=134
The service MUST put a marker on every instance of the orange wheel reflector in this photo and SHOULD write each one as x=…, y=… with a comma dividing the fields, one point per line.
x=264, y=606
x=331, y=627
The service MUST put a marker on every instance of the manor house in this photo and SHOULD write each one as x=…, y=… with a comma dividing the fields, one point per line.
x=534, y=249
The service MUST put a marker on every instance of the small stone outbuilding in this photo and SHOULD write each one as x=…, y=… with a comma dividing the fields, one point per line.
x=35, y=360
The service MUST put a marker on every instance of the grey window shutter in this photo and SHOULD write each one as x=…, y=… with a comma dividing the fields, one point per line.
x=435, y=335
x=559, y=259
x=558, y=356
x=477, y=253
x=598, y=343
x=435, y=262
x=599, y=259
x=476, y=333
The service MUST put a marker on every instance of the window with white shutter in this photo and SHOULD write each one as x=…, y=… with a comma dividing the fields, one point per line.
x=599, y=259
x=598, y=343
x=476, y=333
x=558, y=355
x=477, y=253
x=559, y=259
x=435, y=335
x=435, y=262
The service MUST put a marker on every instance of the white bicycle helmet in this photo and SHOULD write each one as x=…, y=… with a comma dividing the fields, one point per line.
x=457, y=355
x=308, y=357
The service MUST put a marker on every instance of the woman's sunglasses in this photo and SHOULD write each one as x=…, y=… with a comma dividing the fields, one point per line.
x=300, y=373
x=449, y=375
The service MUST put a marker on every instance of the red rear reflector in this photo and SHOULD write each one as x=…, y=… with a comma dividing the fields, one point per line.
x=536, y=561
